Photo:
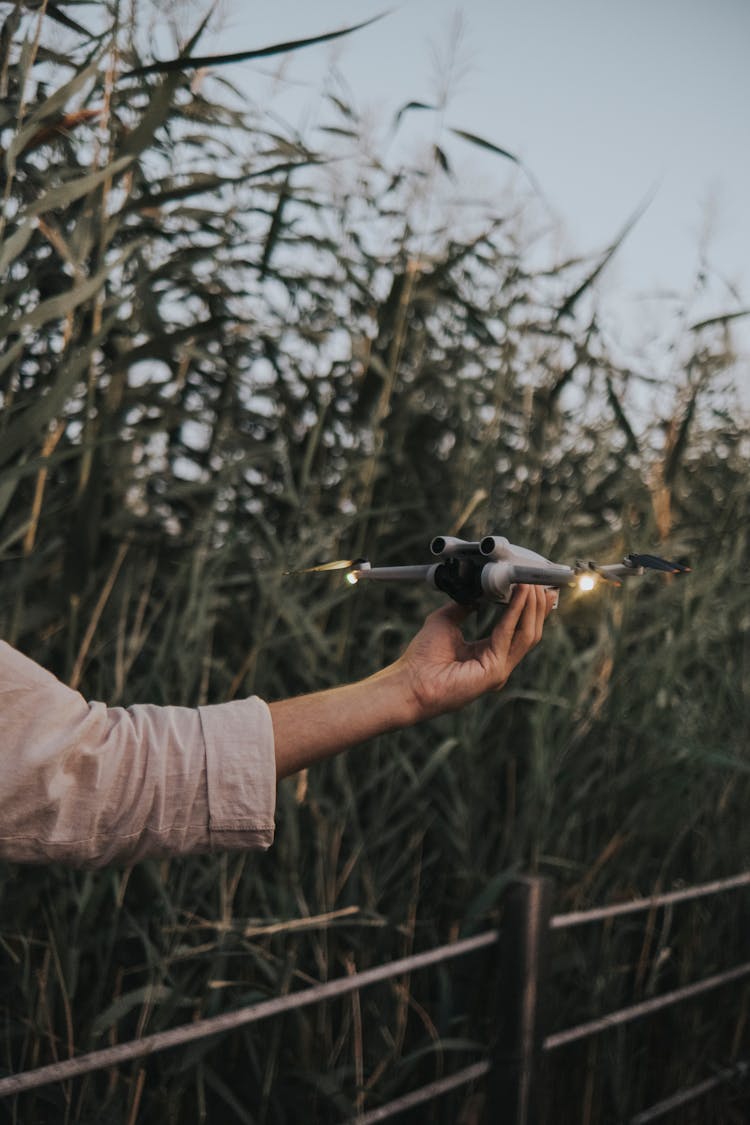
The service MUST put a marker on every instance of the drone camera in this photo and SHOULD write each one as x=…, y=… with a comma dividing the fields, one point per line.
x=448, y=545
x=492, y=546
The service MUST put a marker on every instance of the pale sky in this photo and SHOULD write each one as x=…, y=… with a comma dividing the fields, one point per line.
x=603, y=101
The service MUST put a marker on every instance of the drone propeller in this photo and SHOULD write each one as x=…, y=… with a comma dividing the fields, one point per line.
x=655, y=562
x=338, y=564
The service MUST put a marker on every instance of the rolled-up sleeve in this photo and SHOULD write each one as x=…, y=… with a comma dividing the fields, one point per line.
x=87, y=784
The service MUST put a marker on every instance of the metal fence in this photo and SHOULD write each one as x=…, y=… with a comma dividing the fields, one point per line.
x=530, y=926
x=510, y=1071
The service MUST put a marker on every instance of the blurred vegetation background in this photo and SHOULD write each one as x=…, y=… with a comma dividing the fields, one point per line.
x=227, y=352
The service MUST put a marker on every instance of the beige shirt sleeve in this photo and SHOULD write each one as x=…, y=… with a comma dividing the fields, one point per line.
x=87, y=784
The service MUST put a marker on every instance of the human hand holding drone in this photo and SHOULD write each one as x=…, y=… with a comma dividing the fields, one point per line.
x=489, y=569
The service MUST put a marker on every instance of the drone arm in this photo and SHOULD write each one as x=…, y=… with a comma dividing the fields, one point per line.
x=496, y=579
x=399, y=573
x=544, y=575
x=617, y=571
x=499, y=578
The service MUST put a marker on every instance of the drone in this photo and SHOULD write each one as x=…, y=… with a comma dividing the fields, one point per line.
x=488, y=569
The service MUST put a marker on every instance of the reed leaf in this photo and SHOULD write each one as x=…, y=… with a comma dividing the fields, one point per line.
x=480, y=142
x=408, y=109
x=570, y=302
x=185, y=62
x=62, y=195
x=51, y=108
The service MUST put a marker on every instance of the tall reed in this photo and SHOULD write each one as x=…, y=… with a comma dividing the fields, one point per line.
x=216, y=364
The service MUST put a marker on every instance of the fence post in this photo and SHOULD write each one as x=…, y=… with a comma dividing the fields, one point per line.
x=522, y=955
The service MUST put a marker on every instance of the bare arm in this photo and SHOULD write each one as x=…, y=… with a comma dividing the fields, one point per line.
x=438, y=672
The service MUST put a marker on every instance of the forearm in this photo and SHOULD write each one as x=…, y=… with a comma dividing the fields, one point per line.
x=438, y=672
x=309, y=728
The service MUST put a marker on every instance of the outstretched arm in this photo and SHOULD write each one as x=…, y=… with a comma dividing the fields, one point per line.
x=84, y=783
x=438, y=672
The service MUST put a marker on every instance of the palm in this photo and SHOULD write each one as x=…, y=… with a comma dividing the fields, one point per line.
x=447, y=671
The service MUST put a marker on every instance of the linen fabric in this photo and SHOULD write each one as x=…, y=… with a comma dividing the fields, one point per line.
x=86, y=784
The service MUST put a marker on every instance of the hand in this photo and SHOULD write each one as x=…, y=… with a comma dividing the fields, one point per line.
x=443, y=671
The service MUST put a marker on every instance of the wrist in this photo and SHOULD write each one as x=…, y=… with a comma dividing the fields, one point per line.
x=310, y=728
x=394, y=695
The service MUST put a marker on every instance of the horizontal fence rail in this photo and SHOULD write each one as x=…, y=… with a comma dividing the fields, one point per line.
x=617, y=909
x=690, y=1094
x=424, y=1094
x=229, y=1021
x=645, y=1008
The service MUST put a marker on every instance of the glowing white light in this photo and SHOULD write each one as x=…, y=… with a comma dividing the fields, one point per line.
x=586, y=582
x=352, y=579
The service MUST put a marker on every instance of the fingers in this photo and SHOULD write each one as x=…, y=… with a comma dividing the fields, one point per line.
x=517, y=631
x=528, y=630
x=528, y=623
x=509, y=622
x=541, y=612
x=543, y=609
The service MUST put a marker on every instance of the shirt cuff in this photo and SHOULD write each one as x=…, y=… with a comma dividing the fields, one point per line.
x=240, y=773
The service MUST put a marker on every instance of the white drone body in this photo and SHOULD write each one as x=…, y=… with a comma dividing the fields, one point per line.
x=490, y=568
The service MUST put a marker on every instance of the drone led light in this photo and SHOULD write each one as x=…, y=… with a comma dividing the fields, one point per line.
x=586, y=582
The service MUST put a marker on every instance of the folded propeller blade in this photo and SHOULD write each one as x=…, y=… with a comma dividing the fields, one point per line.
x=337, y=564
x=655, y=562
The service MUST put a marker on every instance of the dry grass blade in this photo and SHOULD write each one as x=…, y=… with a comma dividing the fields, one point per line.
x=92, y=626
